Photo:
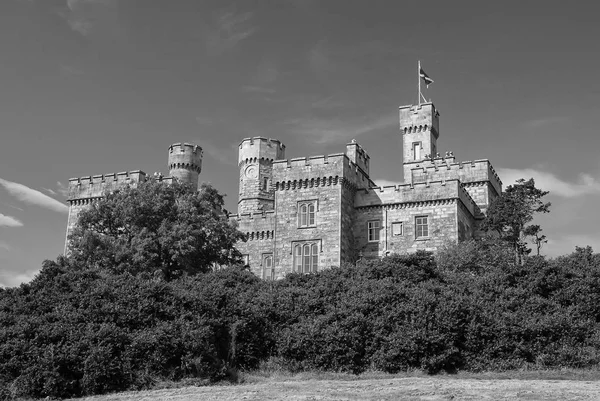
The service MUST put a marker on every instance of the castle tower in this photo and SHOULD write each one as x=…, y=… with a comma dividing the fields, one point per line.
x=185, y=163
x=256, y=156
x=419, y=126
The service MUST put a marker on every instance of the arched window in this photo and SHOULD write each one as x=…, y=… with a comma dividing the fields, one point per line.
x=306, y=258
x=306, y=214
x=268, y=267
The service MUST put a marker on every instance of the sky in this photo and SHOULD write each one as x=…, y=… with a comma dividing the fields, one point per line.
x=102, y=86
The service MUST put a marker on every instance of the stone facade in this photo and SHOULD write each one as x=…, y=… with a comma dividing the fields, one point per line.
x=441, y=201
x=311, y=213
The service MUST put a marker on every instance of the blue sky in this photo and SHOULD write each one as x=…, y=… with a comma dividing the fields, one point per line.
x=101, y=86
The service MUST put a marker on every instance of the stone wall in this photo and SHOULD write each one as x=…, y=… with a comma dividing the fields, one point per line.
x=259, y=229
x=442, y=227
x=85, y=190
x=318, y=180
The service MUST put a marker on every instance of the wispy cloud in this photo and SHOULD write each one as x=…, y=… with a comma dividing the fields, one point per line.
x=545, y=121
x=83, y=15
x=14, y=279
x=565, y=244
x=586, y=184
x=4, y=246
x=9, y=221
x=228, y=29
x=328, y=130
x=62, y=189
x=223, y=155
x=258, y=89
x=32, y=196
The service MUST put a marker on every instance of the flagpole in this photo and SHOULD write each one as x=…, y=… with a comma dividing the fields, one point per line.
x=419, y=79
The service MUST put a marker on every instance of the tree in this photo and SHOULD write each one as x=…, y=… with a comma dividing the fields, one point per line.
x=510, y=213
x=156, y=228
x=535, y=232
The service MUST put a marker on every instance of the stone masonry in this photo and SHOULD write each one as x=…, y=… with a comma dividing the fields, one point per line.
x=311, y=213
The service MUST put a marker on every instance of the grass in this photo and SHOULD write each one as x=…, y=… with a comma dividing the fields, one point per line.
x=563, y=384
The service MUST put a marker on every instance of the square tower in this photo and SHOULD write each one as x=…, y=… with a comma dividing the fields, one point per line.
x=419, y=126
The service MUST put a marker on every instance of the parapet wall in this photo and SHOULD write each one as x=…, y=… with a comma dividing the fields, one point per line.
x=466, y=172
x=258, y=223
x=97, y=185
x=419, y=192
x=303, y=169
x=257, y=148
x=423, y=117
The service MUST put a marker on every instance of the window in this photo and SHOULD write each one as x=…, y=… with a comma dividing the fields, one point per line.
x=246, y=259
x=417, y=150
x=306, y=258
x=421, y=227
x=397, y=228
x=374, y=228
x=306, y=214
x=268, y=266
x=265, y=184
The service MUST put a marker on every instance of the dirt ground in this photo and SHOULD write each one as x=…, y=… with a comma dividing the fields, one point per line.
x=409, y=388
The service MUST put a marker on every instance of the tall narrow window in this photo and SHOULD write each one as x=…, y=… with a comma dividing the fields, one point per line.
x=417, y=150
x=314, y=264
x=373, y=229
x=307, y=214
x=421, y=227
x=303, y=215
x=298, y=259
x=265, y=184
x=268, y=266
x=306, y=258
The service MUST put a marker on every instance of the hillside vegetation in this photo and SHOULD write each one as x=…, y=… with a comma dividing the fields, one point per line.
x=74, y=331
x=135, y=303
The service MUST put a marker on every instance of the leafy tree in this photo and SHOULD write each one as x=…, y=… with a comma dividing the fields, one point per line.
x=510, y=213
x=535, y=232
x=156, y=228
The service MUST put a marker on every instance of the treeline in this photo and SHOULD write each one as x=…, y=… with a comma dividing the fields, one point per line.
x=76, y=330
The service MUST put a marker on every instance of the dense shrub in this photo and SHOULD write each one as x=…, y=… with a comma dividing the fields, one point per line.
x=74, y=331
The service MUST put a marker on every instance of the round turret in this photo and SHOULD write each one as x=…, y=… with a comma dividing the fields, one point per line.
x=185, y=163
x=256, y=156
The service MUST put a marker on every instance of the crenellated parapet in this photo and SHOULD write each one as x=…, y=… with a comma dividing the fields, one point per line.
x=467, y=172
x=260, y=148
x=358, y=156
x=185, y=163
x=322, y=170
x=416, y=194
x=97, y=185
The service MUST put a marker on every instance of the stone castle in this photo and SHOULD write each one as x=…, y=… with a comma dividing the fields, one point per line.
x=310, y=213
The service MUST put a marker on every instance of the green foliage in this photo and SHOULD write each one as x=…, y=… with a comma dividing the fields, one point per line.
x=511, y=212
x=156, y=228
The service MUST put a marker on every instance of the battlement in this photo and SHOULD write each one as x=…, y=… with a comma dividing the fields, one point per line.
x=321, y=160
x=96, y=186
x=417, y=118
x=446, y=168
x=420, y=192
x=358, y=156
x=259, y=147
x=255, y=222
x=185, y=155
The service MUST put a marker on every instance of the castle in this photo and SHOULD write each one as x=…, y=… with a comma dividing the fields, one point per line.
x=310, y=213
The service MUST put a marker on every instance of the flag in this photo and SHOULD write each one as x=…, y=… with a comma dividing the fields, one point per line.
x=425, y=78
